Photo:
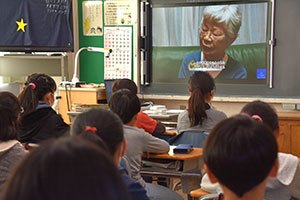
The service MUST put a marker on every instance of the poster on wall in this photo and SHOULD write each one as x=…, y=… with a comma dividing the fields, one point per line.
x=118, y=12
x=92, y=18
x=119, y=63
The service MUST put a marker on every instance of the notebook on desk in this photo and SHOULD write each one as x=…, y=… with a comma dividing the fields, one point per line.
x=108, y=88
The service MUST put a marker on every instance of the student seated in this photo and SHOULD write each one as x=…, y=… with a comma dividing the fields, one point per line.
x=240, y=154
x=145, y=122
x=127, y=106
x=39, y=121
x=66, y=168
x=286, y=185
x=11, y=150
x=200, y=115
x=108, y=128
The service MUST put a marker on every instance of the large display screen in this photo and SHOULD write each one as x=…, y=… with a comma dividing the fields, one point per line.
x=230, y=41
x=36, y=25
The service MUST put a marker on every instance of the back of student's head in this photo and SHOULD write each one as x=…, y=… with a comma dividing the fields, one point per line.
x=264, y=111
x=240, y=152
x=102, y=123
x=9, y=113
x=201, y=85
x=66, y=168
x=36, y=87
x=125, y=104
x=124, y=84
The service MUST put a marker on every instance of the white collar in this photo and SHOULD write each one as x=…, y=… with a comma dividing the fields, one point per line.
x=4, y=146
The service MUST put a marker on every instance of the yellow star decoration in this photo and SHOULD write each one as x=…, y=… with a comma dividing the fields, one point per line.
x=21, y=25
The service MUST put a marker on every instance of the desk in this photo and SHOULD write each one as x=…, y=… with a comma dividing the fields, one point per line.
x=195, y=154
x=170, y=132
x=188, y=162
x=78, y=96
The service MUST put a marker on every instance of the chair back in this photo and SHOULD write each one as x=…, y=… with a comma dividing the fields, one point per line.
x=124, y=163
x=209, y=197
x=194, y=137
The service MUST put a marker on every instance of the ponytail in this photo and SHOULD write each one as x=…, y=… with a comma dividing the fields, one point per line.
x=90, y=134
x=28, y=100
x=201, y=85
x=196, y=107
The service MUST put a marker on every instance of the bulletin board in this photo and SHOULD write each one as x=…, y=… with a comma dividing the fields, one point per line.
x=106, y=24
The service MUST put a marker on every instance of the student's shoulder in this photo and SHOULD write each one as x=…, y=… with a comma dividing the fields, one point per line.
x=134, y=130
x=183, y=114
x=216, y=113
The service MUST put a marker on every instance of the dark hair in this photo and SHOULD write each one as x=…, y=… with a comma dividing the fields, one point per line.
x=125, y=104
x=124, y=84
x=107, y=124
x=265, y=111
x=240, y=152
x=36, y=87
x=9, y=113
x=201, y=85
x=66, y=168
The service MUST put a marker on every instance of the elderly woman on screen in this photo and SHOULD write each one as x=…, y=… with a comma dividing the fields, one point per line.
x=219, y=29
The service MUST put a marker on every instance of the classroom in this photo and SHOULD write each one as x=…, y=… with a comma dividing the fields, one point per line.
x=163, y=79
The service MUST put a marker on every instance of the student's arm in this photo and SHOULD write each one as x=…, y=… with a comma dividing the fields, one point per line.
x=155, y=145
x=183, y=121
x=149, y=125
x=159, y=129
x=61, y=127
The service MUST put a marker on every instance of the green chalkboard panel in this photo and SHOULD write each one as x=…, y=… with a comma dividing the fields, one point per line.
x=91, y=63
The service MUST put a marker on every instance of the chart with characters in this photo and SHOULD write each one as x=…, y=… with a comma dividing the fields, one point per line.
x=119, y=63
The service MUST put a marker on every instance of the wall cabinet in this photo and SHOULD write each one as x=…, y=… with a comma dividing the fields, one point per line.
x=289, y=133
x=71, y=96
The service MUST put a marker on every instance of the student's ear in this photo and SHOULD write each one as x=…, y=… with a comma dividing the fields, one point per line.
x=212, y=93
x=49, y=98
x=273, y=172
x=210, y=175
x=189, y=90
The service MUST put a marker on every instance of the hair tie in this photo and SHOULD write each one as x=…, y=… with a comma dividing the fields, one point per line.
x=90, y=128
x=257, y=117
x=33, y=85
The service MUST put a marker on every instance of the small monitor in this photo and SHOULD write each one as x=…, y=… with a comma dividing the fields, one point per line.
x=108, y=88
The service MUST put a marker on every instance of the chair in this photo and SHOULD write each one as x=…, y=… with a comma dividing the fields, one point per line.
x=190, y=180
x=194, y=137
x=209, y=197
x=196, y=194
x=124, y=163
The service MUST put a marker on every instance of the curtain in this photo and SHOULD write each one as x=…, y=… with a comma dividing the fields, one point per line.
x=179, y=26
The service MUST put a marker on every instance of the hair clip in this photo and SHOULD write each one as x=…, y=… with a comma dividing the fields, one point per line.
x=257, y=117
x=90, y=128
x=33, y=85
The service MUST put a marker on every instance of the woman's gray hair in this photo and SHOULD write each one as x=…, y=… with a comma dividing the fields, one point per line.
x=229, y=16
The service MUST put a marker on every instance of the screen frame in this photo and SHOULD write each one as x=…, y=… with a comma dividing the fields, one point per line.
x=146, y=42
